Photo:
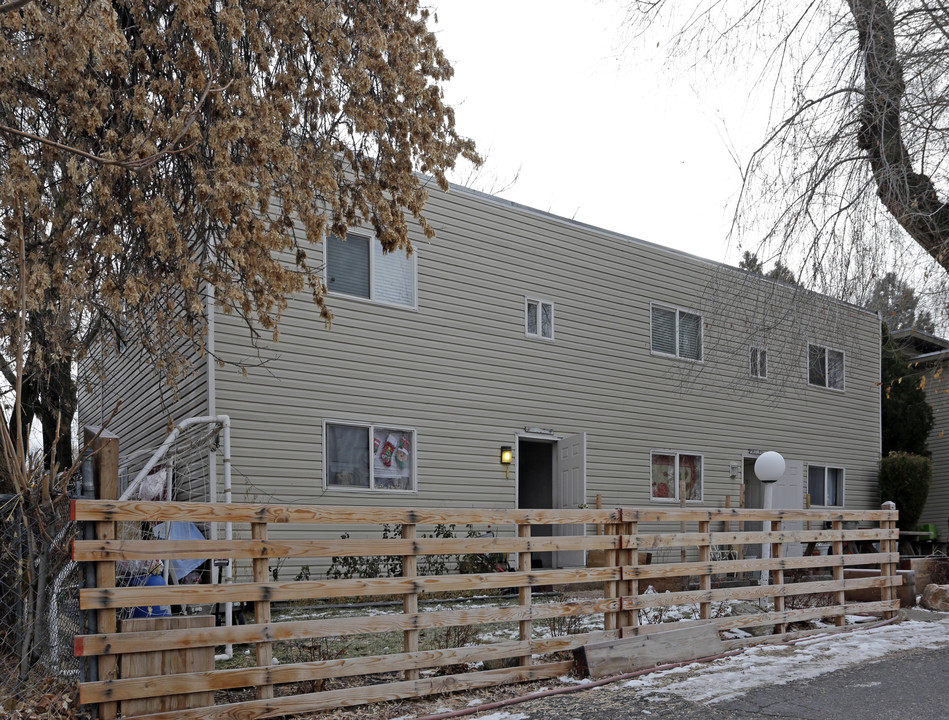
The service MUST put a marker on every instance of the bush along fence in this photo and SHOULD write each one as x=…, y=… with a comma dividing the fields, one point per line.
x=516, y=625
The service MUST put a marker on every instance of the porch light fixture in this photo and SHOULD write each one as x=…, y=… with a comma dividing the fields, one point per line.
x=507, y=455
x=769, y=468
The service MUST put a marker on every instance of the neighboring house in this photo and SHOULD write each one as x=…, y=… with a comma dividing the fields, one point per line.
x=932, y=354
x=611, y=366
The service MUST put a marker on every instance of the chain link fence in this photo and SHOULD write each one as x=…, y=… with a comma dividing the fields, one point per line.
x=39, y=609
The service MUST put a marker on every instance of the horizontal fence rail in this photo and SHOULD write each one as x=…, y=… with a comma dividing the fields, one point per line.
x=522, y=621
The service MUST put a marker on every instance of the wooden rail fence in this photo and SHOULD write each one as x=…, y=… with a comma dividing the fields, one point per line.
x=617, y=607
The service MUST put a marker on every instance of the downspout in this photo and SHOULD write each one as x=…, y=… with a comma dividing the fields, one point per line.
x=212, y=467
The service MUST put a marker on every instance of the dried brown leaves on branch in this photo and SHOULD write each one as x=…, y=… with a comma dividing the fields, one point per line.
x=853, y=171
x=150, y=151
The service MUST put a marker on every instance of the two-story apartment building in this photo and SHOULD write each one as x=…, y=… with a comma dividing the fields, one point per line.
x=610, y=367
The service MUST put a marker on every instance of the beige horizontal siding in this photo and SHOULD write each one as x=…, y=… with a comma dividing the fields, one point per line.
x=936, y=511
x=460, y=371
x=145, y=401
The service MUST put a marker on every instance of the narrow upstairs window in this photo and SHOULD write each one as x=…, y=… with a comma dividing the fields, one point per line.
x=539, y=319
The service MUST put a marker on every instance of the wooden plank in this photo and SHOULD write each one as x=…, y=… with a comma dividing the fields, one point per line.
x=91, y=550
x=343, y=515
x=753, y=592
x=93, y=692
x=189, y=662
x=664, y=540
x=650, y=649
x=360, y=515
x=410, y=600
x=261, y=570
x=788, y=616
x=351, y=697
x=741, y=566
x=673, y=514
x=97, y=598
x=786, y=636
x=87, y=645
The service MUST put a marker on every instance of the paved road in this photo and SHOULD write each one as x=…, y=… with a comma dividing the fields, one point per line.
x=905, y=686
x=908, y=685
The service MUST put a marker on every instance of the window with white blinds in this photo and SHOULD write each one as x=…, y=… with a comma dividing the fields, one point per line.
x=357, y=266
x=676, y=333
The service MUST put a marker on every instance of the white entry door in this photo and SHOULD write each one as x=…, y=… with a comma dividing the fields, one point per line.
x=570, y=492
x=788, y=494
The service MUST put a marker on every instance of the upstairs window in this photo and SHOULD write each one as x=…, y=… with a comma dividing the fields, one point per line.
x=676, y=333
x=539, y=319
x=825, y=367
x=357, y=266
x=825, y=485
x=759, y=363
x=669, y=470
x=368, y=457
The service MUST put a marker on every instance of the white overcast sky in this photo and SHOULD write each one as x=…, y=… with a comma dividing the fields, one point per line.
x=602, y=130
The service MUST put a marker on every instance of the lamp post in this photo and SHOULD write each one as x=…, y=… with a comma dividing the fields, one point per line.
x=769, y=468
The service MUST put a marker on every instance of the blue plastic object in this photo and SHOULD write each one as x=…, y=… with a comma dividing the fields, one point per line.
x=150, y=610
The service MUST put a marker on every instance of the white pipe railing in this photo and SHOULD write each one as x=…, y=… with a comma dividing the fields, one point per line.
x=225, y=422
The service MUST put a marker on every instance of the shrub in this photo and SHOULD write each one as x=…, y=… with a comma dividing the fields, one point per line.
x=905, y=478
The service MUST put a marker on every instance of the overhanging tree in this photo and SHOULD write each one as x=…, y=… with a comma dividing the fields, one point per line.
x=858, y=141
x=151, y=153
x=898, y=305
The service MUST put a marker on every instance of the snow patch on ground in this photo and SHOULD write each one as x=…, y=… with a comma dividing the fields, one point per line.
x=731, y=677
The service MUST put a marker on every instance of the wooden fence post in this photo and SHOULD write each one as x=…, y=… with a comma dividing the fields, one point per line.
x=705, y=557
x=524, y=561
x=626, y=559
x=632, y=585
x=888, y=569
x=837, y=548
x=611, y=587
x=410, y=600
x=258, y=531
x=105, y=468
x=777, y=575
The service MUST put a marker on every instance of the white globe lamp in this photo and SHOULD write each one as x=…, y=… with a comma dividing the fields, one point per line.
x=769, y=468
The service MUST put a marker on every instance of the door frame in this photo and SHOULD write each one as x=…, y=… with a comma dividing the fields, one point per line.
x=554, y=439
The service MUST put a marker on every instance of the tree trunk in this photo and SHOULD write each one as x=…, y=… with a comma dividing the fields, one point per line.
x=57, y=407
x=910, y=197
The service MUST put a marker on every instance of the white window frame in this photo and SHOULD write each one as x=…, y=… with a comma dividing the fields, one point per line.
x=413, y=457
x=758, y=362
x=843, y=367
x=372, y=274
x=675, y=497
x=843, y=483
x=678, y=311
x=528, y=301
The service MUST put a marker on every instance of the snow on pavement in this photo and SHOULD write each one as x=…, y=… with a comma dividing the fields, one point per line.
x=733, y=676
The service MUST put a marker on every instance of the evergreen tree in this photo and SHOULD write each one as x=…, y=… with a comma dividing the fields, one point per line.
x=906, y=417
